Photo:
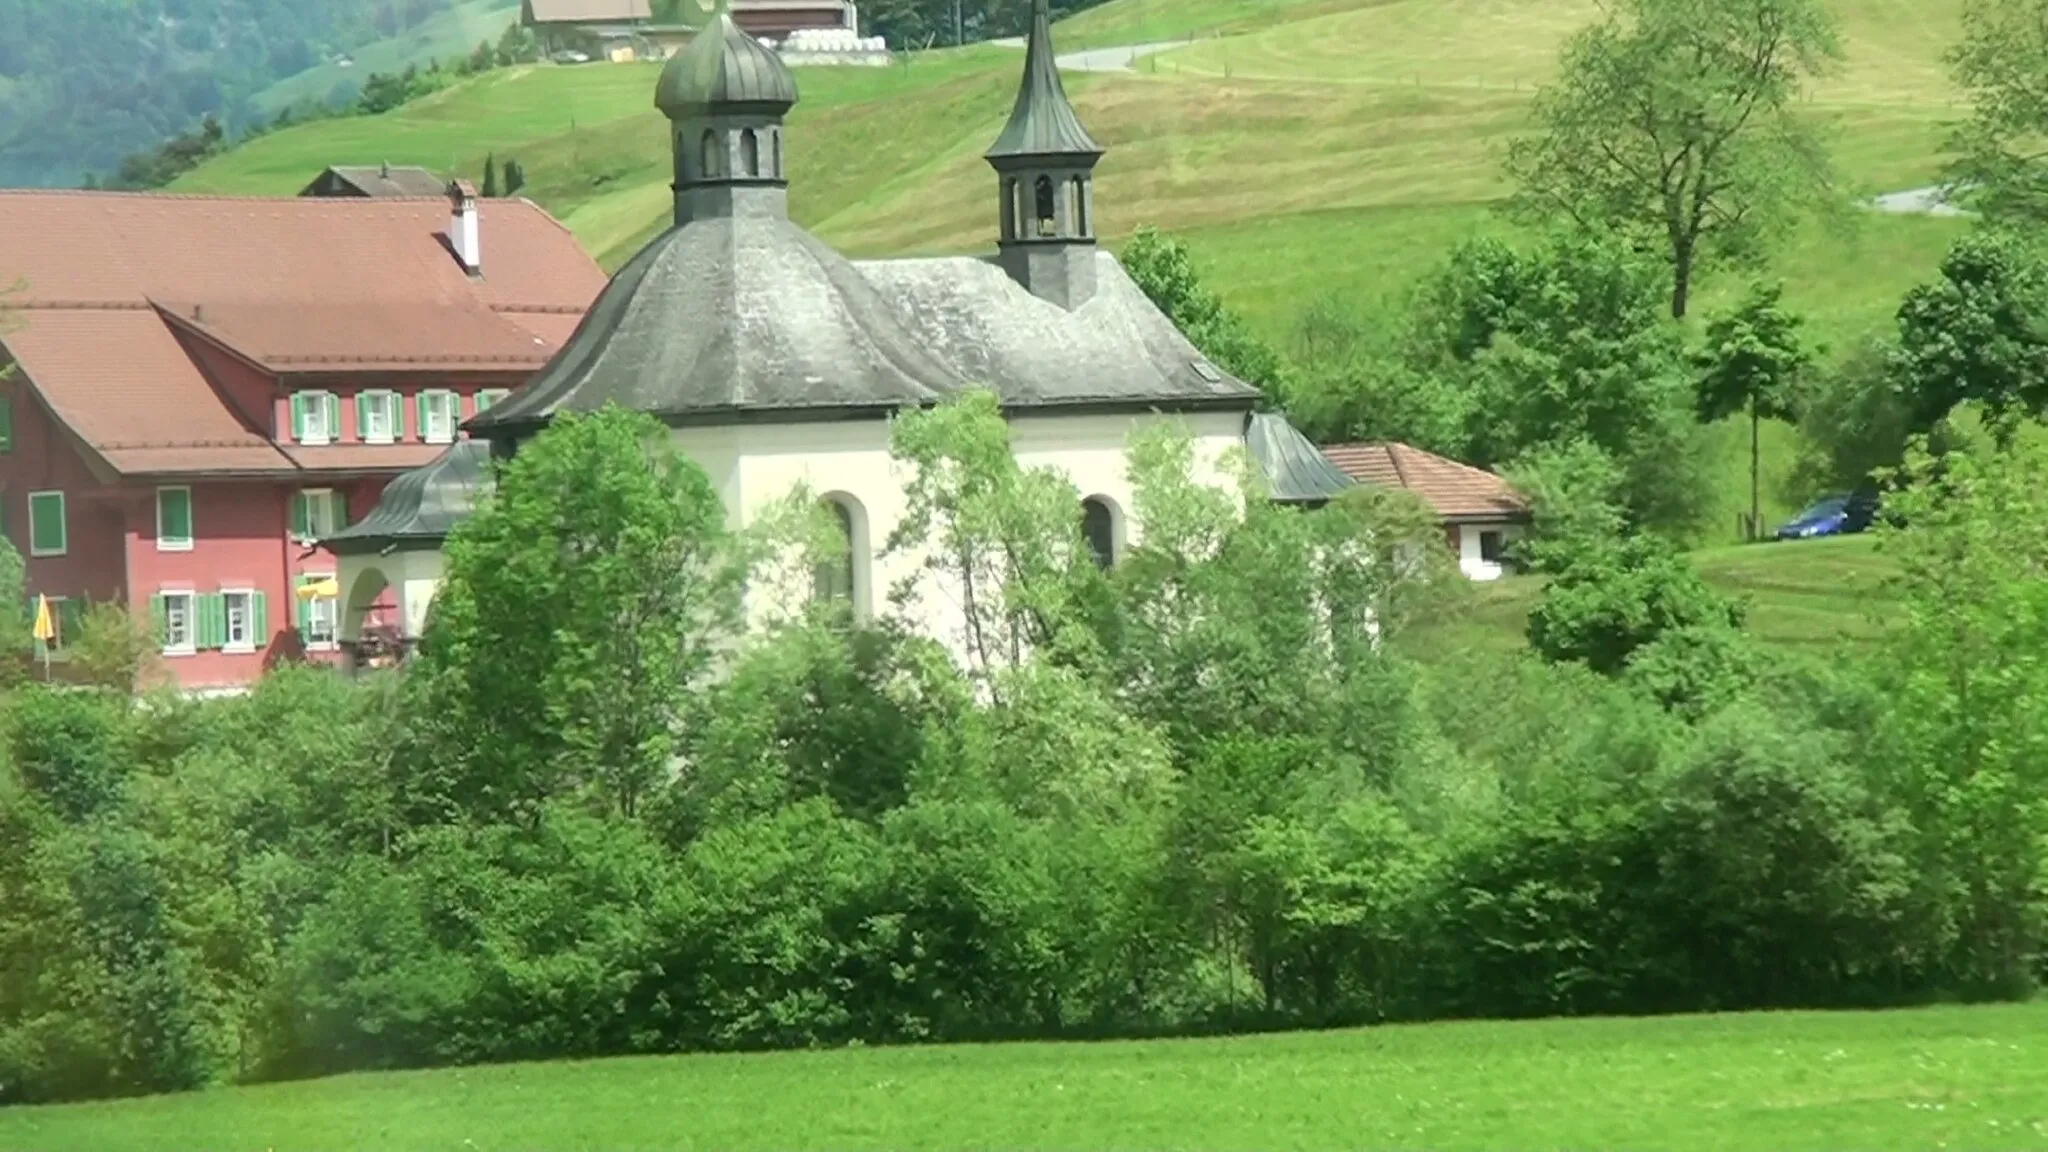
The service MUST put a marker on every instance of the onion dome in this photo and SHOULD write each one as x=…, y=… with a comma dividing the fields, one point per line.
x=723, y=69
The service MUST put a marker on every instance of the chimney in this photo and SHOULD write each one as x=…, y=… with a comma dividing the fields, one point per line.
x=462, y=227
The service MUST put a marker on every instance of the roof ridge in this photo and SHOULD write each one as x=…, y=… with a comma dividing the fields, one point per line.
x=1394, y=459
x=357, y=202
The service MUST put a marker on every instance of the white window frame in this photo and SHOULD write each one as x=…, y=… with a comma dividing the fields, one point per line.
x=333, y=641
x=448, y=405
x=489, y=398
x=323, y=500
x=227, y=612
x=190, y=645
x=191, y=522
x=56, y=604
x=63, y=523
x=386, y=401
x=310, y=403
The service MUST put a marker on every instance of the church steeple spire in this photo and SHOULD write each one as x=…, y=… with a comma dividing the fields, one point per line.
x=1045, y=163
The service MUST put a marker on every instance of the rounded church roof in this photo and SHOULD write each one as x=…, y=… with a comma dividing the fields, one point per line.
x=723, y=68
x=422, y=506
x=729, y=315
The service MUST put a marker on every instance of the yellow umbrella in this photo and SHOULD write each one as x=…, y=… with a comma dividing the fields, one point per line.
x=46, y=628
x=327, y=587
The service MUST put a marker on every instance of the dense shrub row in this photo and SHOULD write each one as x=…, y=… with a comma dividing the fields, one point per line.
x=1193, y=793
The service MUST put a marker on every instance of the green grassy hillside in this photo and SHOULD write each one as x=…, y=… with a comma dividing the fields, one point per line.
x=1807, y=596
x=447, y=37
x=1303, y=147
x=1954, y=1078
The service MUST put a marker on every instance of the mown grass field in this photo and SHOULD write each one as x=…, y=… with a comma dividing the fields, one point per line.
x=1950, y=1078
x=1304, y=148
x=1811, y=596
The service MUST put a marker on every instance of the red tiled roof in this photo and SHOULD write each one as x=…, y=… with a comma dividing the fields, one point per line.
x=1455, y=491
x=299, y=285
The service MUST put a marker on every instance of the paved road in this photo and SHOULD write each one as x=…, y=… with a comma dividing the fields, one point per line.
x=1117, y=59
x=1917, y=202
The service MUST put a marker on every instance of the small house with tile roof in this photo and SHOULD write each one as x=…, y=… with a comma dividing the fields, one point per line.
x=794, y=358
x=200, y=388
x=1481, y=512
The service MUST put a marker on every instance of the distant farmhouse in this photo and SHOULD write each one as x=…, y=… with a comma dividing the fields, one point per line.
x=629, y=29
x=366, y=181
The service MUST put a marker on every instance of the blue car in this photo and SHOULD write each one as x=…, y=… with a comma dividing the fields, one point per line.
x=1839, y=515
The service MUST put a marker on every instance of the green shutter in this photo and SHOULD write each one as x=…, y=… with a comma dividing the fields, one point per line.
x=302, y=516
x=259, y=620
x=215, y=613
x=6, y=423
x=300, y=612
x=419, y=411
x=338, y=510
x=363, y=415
x=298, y=417
x=46, y=523
x=159, y=620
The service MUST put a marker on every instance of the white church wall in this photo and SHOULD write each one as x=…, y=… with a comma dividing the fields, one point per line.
x=849, y=461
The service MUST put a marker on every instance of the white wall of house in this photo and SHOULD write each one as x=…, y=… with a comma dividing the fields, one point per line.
x=1473, y=546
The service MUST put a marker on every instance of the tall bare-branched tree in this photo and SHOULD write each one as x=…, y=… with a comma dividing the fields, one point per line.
x=1674, y=123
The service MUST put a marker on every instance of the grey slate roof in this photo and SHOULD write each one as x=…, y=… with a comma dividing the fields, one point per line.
x=376, y=180
x=1115, y=348
x=724, y=67
x=1042, y=122
x=420, y=507
x=1296, y=471
x=730, y=315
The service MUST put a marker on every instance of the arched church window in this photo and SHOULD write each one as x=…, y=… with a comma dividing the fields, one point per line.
x=708, y=165
x=750, y=153
x=1048, y=223
x=1077, y=209
x=835, y=578
x=1098, y=528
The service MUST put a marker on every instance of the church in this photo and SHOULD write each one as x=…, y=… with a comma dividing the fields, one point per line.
x=777, y=362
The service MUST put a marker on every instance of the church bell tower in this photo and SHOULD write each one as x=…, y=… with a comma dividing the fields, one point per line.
x=1045, y=171
x=725, y=95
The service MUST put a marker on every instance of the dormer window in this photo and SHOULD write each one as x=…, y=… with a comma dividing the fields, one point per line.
x=377, y=417
x=439, y=413
x=316, y=417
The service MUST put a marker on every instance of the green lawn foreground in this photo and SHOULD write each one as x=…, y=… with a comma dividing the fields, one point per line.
x=1953, y=1078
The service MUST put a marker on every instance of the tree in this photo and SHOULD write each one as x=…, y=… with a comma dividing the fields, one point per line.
x=490, y=188
x=1162, y=267
x=1673, y=124
x=1559, y=342
x=1753, y=361
x=515, y=177
x=1980, y=333
x=2001, y=62
x=1853, y=421
x=1963, y=739
x=1610, y=602
x=582, y=605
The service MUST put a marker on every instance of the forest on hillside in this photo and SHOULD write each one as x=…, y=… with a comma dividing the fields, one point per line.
x=85, y=82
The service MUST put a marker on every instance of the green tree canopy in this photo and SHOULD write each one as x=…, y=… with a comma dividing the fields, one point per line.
x=2002, y=63
x=1754, y=361
x=582, y=603
x=1673, y=124
x=1979, y=333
